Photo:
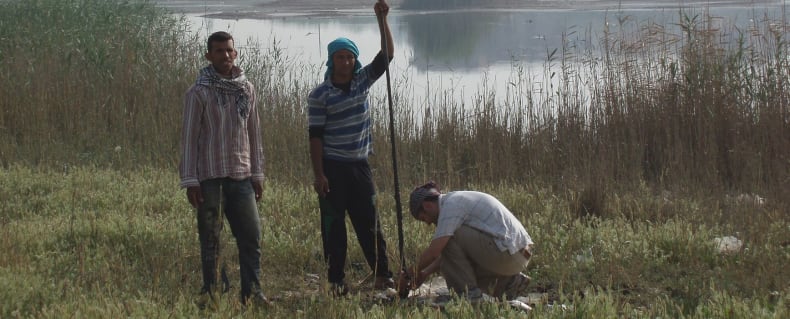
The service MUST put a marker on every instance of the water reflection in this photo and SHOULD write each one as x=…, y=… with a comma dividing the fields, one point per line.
x=462, y=51
x=475, y=40
x=452, y=40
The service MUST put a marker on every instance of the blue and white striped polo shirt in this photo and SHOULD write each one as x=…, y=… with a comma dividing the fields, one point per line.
x=344, y=117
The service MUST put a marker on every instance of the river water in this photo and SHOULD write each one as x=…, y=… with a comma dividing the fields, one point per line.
x=458, y=54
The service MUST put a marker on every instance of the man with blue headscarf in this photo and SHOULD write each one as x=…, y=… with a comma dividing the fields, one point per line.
x=340, y=142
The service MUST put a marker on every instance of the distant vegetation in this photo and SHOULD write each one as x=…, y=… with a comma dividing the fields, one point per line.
x=450, y=4
x=624, y=172
x=488, y=4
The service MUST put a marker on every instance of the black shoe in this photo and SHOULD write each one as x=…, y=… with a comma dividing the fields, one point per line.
x=338, y=289
x=206, y=300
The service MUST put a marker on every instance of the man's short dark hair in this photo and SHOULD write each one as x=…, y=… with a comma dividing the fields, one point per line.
x=427, y=192
x=219, y=36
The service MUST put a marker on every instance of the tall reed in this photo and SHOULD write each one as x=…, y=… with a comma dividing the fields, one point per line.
x=92, y=81
x=696, y=107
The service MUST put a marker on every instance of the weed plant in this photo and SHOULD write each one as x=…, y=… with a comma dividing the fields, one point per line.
x=623, y=171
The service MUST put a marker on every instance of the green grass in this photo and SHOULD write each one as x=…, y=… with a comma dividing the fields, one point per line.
x=623, y=188
x=103, y=243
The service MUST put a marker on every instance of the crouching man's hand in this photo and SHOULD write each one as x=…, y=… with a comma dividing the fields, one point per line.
x=404, y=283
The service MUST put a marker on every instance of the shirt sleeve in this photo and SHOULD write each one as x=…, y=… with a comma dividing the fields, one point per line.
x=255, y=136
x=378, y=66
x=316, y=113
x=451, y=218
x=193, y=112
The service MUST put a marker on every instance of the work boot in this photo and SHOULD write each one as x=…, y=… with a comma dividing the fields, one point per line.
x=383, y=283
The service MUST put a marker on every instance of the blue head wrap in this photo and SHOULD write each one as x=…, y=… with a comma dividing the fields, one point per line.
x=337, y=45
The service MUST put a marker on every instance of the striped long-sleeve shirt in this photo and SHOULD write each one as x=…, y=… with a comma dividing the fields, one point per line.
x=342, y=117
x=217, y=141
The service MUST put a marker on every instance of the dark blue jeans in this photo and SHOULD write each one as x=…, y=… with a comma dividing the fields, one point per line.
x=351, y=189
x=237, y=200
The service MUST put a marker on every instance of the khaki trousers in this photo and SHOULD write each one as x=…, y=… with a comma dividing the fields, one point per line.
x=472, y=260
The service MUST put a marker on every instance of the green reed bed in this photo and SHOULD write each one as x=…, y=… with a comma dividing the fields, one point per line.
x=700, y=107
x=83, y=77
x=624, y=170
x=674, y=107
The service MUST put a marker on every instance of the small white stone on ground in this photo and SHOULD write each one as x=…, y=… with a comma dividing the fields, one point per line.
x=728, y=244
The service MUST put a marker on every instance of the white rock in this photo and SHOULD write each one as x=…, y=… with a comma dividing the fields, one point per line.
x=750, y=199
x=519, y=305
x=728, y=244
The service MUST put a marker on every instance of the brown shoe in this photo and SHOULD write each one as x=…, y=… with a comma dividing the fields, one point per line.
x=383, y=283
x=260, y=300
x=257, y=300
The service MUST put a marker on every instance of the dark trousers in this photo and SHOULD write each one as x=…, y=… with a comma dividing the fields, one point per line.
x=237, y=199
x=351, y=189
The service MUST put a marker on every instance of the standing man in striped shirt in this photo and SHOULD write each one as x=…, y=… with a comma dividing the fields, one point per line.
x=340, y=137
x=222, y=164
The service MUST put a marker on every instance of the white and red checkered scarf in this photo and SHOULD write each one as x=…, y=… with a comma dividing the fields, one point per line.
x=237, y=87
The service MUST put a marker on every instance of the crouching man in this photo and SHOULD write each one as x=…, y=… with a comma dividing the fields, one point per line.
x=479, y=245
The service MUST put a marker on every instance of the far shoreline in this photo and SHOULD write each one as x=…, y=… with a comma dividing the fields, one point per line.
x=274, y=9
